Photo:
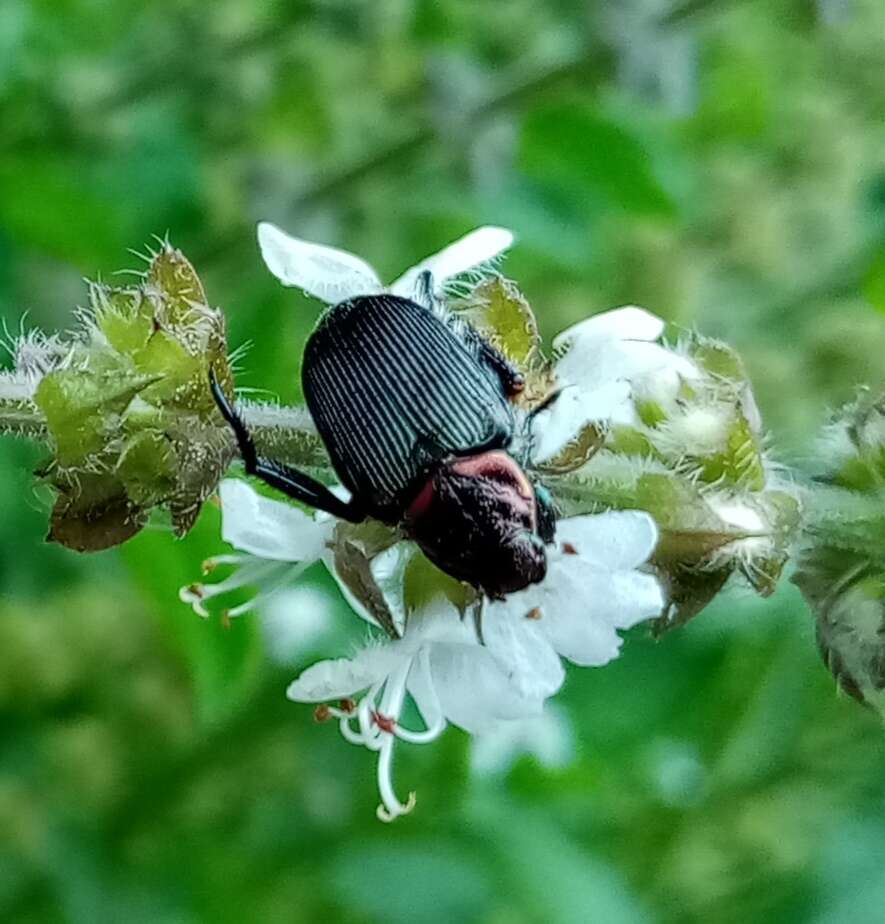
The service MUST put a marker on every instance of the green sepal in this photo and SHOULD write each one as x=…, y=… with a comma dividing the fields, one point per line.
x=499, y=311
x=82, y=407
x=147, y=468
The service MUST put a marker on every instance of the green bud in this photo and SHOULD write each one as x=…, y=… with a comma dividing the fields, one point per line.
x=842, y=576
x=852, y=445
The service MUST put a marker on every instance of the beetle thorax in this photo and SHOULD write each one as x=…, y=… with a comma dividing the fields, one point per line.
x=476, y=518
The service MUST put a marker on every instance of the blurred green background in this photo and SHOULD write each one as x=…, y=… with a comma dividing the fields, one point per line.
x=721, y=163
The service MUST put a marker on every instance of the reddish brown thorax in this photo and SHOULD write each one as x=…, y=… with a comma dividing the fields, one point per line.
x=476, y=518
x=497, y=467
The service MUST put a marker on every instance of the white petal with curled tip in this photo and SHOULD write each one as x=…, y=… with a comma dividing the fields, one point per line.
x=627, y=323
x=563, y=420
x=616, y=540
x=268, y=528
x=340, y=677
x=326, y=273
x=472, y=250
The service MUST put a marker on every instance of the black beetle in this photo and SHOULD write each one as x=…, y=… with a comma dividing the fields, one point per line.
x=414, y=408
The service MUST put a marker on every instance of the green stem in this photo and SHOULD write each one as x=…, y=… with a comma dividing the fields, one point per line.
x=20, y=417
x=286, y=434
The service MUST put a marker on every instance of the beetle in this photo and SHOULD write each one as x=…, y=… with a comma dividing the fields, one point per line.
x=416, y=411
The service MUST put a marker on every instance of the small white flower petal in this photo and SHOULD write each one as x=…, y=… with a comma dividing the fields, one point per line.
x=326, y=273
x=472, y=250
x=522, y=652
x=420, y=688
x=574, y=408
x=594, y=363
x=627, y=323
x=473, y=691
x=618, y=539
x=267, y=528
x=340, y=677
x=582, y=606
x=296, y=620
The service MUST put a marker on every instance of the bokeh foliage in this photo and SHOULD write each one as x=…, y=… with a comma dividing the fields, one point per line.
x=720, y=163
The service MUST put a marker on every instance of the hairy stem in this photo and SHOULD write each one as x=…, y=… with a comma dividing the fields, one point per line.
x=286, y=434
x=19, y=416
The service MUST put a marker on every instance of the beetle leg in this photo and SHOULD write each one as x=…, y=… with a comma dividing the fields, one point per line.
x=511, y=379
x=293, y=483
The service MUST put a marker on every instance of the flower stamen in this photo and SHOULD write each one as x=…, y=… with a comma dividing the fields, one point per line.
x=384, y=722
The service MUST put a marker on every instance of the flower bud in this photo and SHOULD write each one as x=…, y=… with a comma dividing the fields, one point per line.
x=125, y=406
x=690, y=452
x=842, y=566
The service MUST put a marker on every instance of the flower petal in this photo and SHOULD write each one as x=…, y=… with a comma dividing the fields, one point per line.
x=627, y=323
x=472, y=250
x=582, y=606
x=340, y=677
x=473, y=690
x=618, y=539
x=592, y=363
x=326, y=273
x=549, y=738
x=523, y=653
x=268, y=528
x=574, y=408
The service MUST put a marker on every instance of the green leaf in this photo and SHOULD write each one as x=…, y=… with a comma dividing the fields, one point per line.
x=576, y=148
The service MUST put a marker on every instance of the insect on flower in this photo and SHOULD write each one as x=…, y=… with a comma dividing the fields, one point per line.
x=415, y=409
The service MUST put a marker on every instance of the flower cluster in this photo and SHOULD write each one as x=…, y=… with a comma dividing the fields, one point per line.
x=686, y=445
x=458, y=659
x=124, y=404
x=653, y=455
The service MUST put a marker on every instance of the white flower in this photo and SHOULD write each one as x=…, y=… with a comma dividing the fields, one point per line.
x=592, y=587
x=333, y=275
x=591, y=590
x=605, y=363
x=277, y=543
x=449, y=676
x=452, y=675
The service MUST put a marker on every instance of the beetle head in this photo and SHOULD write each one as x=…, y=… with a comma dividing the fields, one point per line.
x=477, y=519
